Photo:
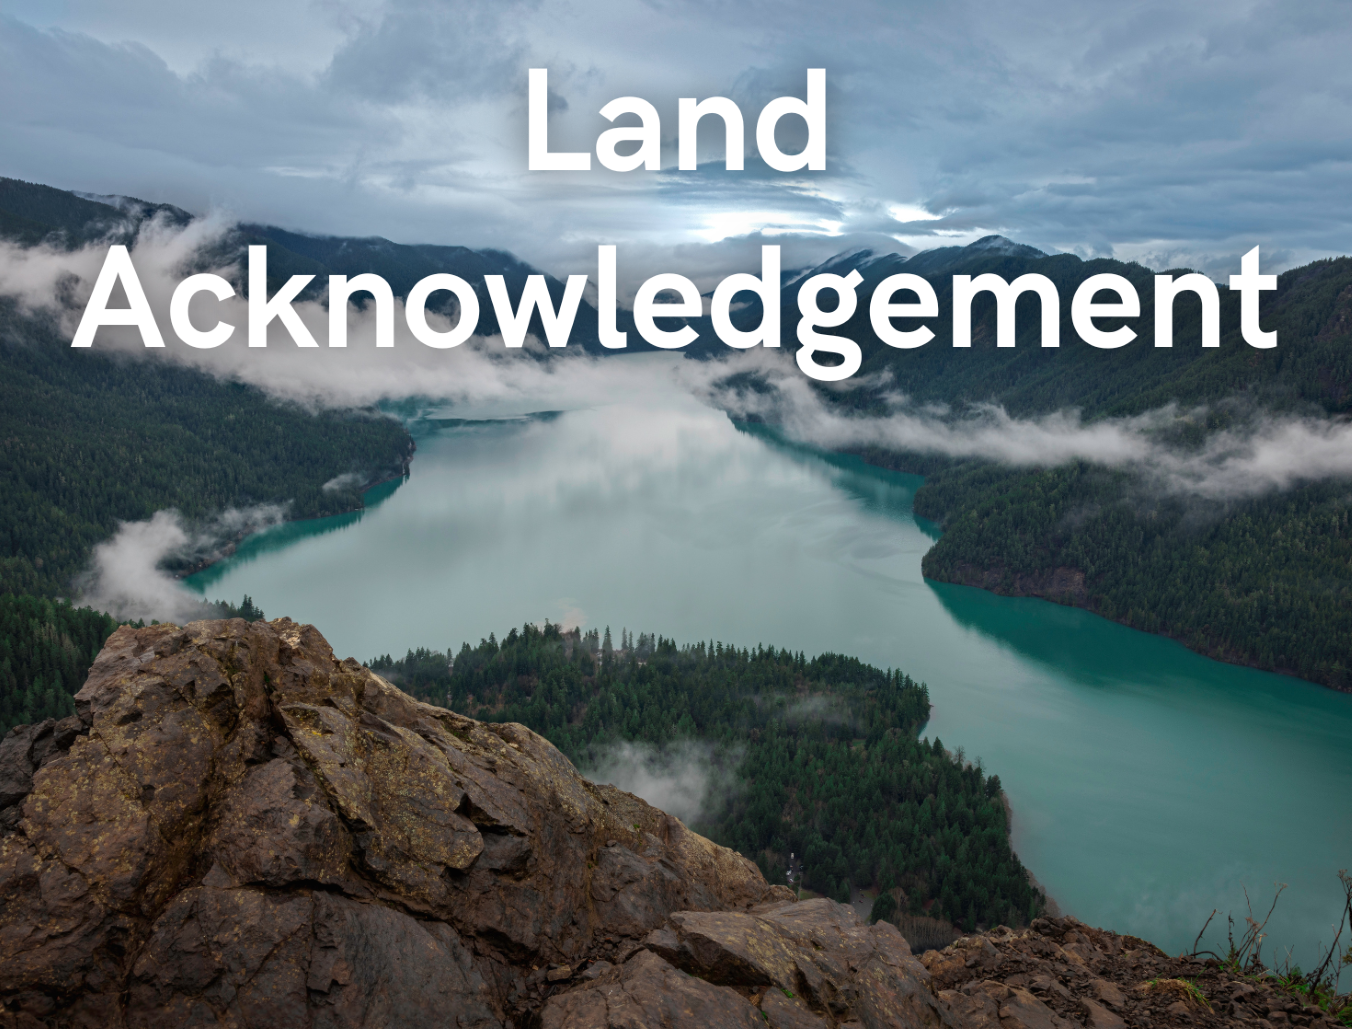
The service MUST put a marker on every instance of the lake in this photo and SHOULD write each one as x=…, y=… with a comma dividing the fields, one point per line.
x=1149, y=784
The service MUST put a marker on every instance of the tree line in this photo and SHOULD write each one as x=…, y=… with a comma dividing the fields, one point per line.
x=46, y=648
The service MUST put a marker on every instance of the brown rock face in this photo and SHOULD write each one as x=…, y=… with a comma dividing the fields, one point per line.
x=816, y=951
x=646, y=991
x=239, y=830
x=812, y=965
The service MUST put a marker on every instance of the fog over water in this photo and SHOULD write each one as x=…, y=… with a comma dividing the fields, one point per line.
x=1148, y=784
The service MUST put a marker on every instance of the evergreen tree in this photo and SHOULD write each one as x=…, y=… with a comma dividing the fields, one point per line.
x=46, y=648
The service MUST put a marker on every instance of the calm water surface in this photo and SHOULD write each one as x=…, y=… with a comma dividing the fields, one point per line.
x=1149, y=784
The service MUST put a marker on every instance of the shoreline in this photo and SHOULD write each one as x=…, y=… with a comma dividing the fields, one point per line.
x=232, y=545
x=1082, y=600
x=1065, y=586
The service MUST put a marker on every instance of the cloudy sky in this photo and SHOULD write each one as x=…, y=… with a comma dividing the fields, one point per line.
x=1165, y=132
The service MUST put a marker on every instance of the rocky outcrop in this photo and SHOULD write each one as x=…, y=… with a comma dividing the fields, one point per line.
x=237, y=829
x=817, y=951
x=813, y=965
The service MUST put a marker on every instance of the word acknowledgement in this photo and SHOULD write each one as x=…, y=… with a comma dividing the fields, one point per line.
x=513, y=323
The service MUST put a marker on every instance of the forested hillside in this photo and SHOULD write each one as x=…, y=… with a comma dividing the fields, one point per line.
x=1311, y=310
x=1263, y=580
x=1266, y=582
x=31, y=213
x=823, y=755
x=46, y=649
x=91, y=440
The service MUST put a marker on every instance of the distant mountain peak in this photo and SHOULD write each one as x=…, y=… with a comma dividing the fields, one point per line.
x=135, y=208
x=866, y=259
x=851, y=256
x=1004, y=245
x=860, y=259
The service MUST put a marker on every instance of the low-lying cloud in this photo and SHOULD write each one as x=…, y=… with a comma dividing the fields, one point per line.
x=1262, y=454
x=127, y=576
x=54, y=283
x=348, y=480
x=826, y=709
x=688, y=779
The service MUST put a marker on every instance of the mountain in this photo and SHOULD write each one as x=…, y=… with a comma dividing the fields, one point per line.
x=1263, y=580
x=31, y=213
x=402, y=265
x=942, y=259
x=1311, y=310
x=92, y=440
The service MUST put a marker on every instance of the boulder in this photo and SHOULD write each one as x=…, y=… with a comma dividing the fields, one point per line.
x=817, y=953
x=647, y=992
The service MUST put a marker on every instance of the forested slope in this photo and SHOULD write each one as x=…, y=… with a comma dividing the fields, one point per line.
x=822, y=756
x=1266, y=581
x=91, y=440
x=1311, y=310
x=1261, y=579
x=46, y=649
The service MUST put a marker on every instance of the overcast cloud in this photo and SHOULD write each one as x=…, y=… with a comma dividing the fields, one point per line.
x=1170, y=133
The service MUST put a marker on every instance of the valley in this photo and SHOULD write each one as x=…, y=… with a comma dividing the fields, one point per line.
x=658, y=512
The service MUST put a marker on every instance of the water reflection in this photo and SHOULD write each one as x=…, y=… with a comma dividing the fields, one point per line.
x=875, y=489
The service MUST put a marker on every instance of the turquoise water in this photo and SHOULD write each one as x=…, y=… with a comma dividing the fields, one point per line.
x=1149, y=785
